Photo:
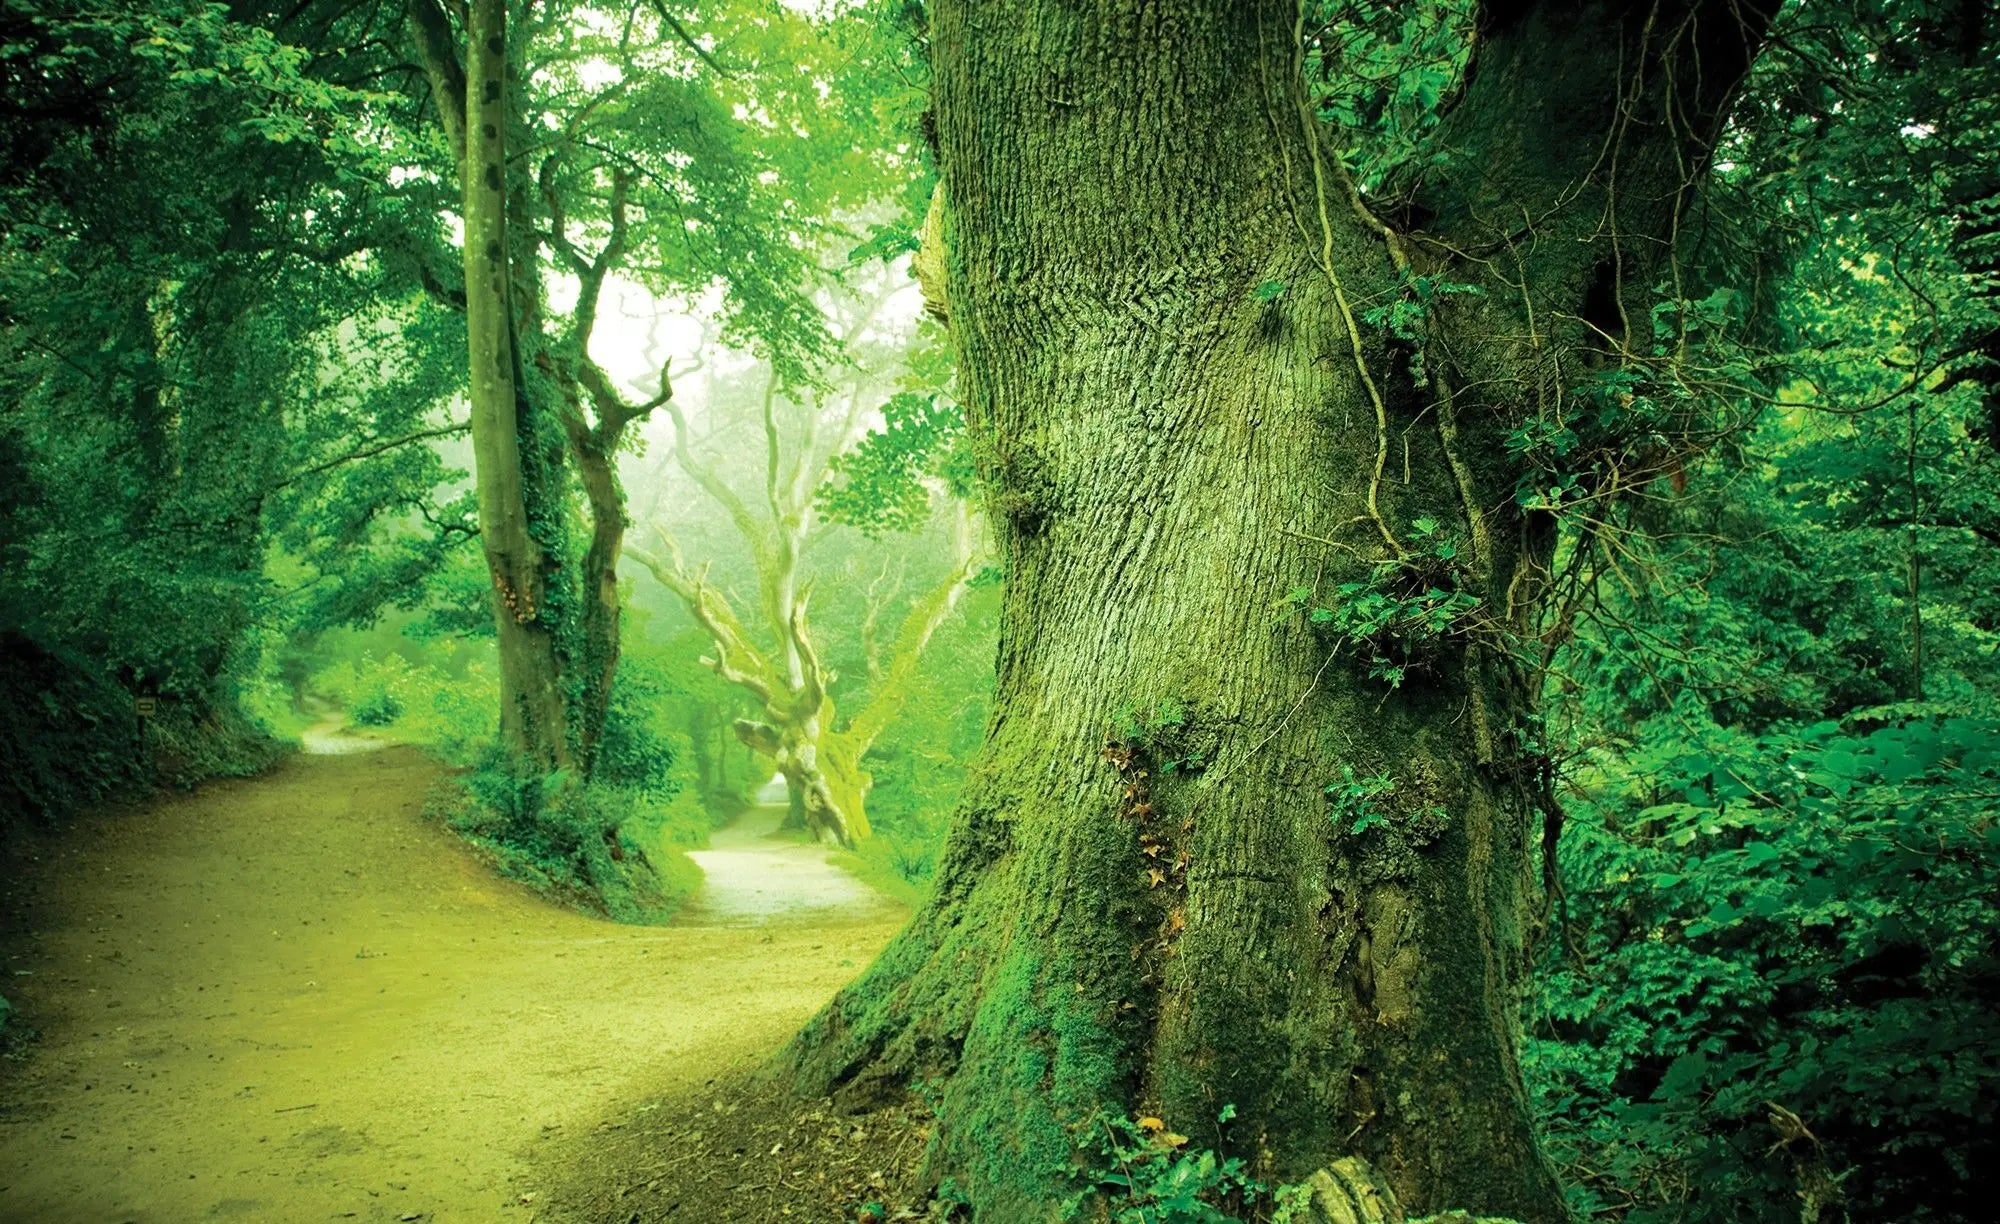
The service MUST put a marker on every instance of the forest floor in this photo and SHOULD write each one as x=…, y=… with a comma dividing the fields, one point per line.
x=294, y=998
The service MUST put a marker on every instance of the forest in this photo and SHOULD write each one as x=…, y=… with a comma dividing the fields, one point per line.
x=1125, y=611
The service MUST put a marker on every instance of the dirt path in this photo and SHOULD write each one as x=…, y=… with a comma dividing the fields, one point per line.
x=752, y=874
x=292, y=999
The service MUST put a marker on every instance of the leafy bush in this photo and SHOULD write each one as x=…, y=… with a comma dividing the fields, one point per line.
x=1804, y=918
x=378, y=703
x=1139, y=1172
x=574, y=840
x=614, y=844
x=71, y=738
x=642, y=748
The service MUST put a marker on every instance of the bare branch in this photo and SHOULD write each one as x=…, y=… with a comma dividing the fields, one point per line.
x=735, y=659
x=925, y=618
x=718, y=489
x=680, y=32
x=371, y=450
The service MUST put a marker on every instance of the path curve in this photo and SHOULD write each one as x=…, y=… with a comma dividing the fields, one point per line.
x=753, y=874
x=293, y=998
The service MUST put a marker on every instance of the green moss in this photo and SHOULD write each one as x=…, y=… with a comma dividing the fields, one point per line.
x=1041, y=1061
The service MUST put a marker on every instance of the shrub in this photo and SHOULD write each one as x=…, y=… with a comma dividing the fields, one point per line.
x=615, y=844
x=590, y=845
x=450, y=713
x=1802, y=919
x=71, y=738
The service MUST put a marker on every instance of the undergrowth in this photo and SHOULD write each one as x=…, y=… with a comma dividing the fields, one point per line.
x=71, y=737
x=603, y=848
x=613, y=843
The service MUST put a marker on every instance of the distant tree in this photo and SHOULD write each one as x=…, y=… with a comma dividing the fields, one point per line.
x=784, y=667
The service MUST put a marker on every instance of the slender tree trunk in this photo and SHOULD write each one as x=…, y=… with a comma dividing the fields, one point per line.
x=533, y=714
x=602, y=607
x=1293, y=889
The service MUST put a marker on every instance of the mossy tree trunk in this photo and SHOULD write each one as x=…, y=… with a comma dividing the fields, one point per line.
x=558, y=666
x=534, y=715
x=596, y=416
x=1149, y=900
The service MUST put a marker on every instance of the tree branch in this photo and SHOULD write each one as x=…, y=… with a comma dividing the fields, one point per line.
x=712, y=484
x=735, y=659
x=437, y=51
x=680, y=31
x=370, y=451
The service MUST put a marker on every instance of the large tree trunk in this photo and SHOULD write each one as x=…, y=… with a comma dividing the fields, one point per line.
x=1155, y=276
x=533, y=711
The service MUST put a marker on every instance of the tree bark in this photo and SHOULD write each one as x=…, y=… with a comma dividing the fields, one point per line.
x=533, y=712
x=1150, y=901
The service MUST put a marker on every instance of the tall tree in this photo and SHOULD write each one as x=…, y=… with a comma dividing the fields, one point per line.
x=534, y=715
x=1205, y=376
x=638, y=156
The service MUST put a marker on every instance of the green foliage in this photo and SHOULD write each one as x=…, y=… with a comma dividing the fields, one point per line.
x=1406, y=316
x=1357, y=801
x=919, y=763
x=615, y=843
x=569, y=839
x=1401, y=615
x=1833, y=954
x=190, y=345
x=448, y=711
x=1141, y=1173
x=884, y=482
x=642, y=750
x=1380, y=71
x=887, y=480
x=1780, y=861
x=1151, y=724
x=71, y=738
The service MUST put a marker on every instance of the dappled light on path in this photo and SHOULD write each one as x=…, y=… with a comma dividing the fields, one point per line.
x=332, y=735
